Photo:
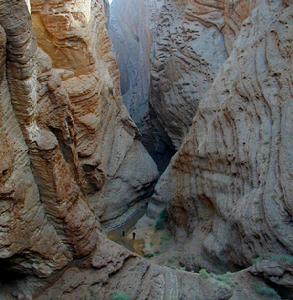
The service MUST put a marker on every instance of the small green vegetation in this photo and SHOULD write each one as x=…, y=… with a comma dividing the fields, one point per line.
x=267, y=291
x=162, y=220
x=204, y=274
x=222, y=279
x=165, y=238
x=283, y=259
x=118, y=295
x=257, y=260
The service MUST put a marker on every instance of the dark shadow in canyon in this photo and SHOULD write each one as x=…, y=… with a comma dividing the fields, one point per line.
x=132, y=45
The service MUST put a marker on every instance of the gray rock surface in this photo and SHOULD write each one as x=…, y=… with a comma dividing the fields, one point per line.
x=229, y=187
x=132, y=28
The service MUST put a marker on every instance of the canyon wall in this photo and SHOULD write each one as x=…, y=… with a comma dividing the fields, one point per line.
x=229, y=187
x=74, y=35
x=191, y=43
x=132, y=28
x=68, y=144
x=71, y=157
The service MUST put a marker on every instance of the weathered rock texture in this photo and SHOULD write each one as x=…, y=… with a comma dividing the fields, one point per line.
x=183, y=63
x=74, y=35
x=132, y=28
x=70, y=153
x=66, y=137
x=192, y=41
x=229, y=187
x=113, y=269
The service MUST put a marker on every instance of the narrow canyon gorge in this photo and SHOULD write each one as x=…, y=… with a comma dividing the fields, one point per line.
x=146, y=149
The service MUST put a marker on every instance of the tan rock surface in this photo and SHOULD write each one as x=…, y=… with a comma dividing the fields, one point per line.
x=66, y=135
x=229, y=187
x=113, y=269
x=74, y=35
x=70, y=153
x=192, y=41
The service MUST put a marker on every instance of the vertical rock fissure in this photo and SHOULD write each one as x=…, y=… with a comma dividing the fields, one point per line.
x=132, y=30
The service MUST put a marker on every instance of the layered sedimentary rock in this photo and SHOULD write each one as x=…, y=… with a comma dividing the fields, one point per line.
x=74, y=35
x=43, y=224
x=192, y=41
x=66, y=137
x=69, y=152
x=183, y=63
x=229, y=187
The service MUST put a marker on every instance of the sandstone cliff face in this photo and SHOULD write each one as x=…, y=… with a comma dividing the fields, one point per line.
x=188, y=51
x=192, y=41
x=70, y=153
x=229, y=187
x=43, y=224
x=66, y=137
x=74, y=35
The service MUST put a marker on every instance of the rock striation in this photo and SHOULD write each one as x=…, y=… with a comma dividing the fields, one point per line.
x=229, y=187
x=74, y=35
x=71, y=159
x=188, y=51
x=68, y=144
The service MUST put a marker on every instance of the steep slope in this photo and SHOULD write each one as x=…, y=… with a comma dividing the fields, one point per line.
x=67, y=138
x=74, y=35
x=192, y=41
x=132, y=28
x=229, y=187
x=188, y=51
x=63, y=130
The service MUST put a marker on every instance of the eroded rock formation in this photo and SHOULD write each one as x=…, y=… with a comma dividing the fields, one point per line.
x=188, y=51
x=74, y=35
x=68, y=143
x=229, y=187
x=132, y=28
x=71, y=157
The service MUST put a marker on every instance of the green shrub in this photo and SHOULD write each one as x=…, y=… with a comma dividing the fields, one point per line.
x=267, y=291
x=118, y=295
x=204, y=274
x=149, y=255
x=226, y=278
x=257, y=260
x=162, y=220
x=223, y=279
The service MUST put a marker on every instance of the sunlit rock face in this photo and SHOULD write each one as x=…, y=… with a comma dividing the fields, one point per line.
x=229, y=187
x=66, y=138
x=74, y=35
x=67, y=143
x=44, y=216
